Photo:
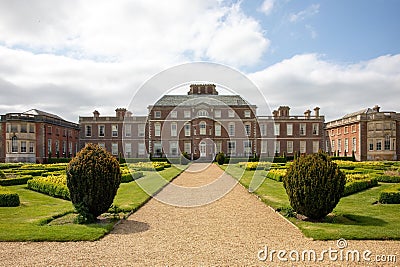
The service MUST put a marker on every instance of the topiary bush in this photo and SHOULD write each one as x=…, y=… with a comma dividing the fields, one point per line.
x=93, y=178
x=220, y=158
x=314, y=185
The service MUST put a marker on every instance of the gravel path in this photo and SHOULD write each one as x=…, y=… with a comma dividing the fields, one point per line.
x=228, y=232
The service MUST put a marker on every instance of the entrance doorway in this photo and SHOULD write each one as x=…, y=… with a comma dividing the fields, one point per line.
x=203, y=149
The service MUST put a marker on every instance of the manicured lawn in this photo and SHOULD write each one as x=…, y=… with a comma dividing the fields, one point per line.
x=355, y=217
x=28, y=222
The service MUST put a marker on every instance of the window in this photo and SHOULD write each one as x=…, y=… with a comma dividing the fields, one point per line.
x=339, y=144
x=353, y=128
x=371, y=146
x=247, y=113
x=14, y=145
x=174, y=129
x=174, y=114
x=289, y=129
x=217, y=113
x=346, y=129
x=49, y=129
x=387, y=142
x=315, y=146
x=218, y=146
x=379, y=144
x=65, y=133
x=378, y=126
x=157, y=114
x=70, y=147
x=173, y=148
x=49, y=150
x=303, y=147
x=14, y=128
x=186, y=113
x=64, y=147
x=247, y=148
x=114, y=130
x=187, y=129
x=231, y=147
x=23, y=146
x=387, y=126
x=302, y=129
x=57, y=146
x=57, y=131
x=23, y=128
x=101, y=130
x=264, y=146
x=102, y=145
x=277, y=147
x=346, y=145
x=332, y=132
x=128, y=150
x=231, y=113
x=157, y=148
x=31, y=147
x=128, y=130
x=202, y=113
x=277, y=129
x=141, y=130
x=31, y=128
x=354, y=144
x=202, y=126
x=289, y=146
x=247, y=127
x=333, y=145
x=141, y=149
x=263, y=129
x=315, y=129
x=188, y=147
x=114, y=149
x=370, y=126
x=231, y=129
x=157, y=129
x=88, y=130
x=217, y=129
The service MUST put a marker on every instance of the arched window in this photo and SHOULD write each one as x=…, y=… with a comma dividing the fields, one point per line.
x=202, y=126
x=202, y=113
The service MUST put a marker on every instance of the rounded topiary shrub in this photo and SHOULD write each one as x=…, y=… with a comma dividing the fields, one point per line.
x=220, y=158
x=314, y=185
x=93, y=178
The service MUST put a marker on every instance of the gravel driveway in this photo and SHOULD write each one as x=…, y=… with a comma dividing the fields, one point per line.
x=228, y=232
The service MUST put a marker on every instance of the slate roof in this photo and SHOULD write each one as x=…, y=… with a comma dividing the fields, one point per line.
x=42, y=113
x=193, y=100
x=360, y=112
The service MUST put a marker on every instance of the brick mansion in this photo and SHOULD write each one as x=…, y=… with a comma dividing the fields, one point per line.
x=201, y=124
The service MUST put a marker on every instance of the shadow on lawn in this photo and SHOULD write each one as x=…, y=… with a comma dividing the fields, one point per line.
x=126, y=227
x=351, y=219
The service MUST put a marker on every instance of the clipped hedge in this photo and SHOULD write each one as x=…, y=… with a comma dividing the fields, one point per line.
x=129, y=177
x=30, y=172
x=8, y=198
x=387, y=178
x=359, y=185
x=54, y=186
x=276, y=174
x=16, y=181
x=390, y=196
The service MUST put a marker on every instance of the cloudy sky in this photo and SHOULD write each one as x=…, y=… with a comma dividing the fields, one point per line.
x=71, y=57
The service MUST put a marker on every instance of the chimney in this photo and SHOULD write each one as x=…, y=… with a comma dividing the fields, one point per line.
x=283, y=111
x=96, y=114
x=275, y=113
x=129, y=114
x=316, y=112
x=376, y=108
x=307, y=113
x=120, y=112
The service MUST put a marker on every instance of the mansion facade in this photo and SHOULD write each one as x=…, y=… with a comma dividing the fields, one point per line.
x=201, y=124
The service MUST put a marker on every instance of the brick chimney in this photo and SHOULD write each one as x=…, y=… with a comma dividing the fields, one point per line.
x=376, y=108
x=307, y=113
x=202, y=89
x=275, y=113
x=283, y=111
x=96, y=114
x=316, y=112
x=120, y=112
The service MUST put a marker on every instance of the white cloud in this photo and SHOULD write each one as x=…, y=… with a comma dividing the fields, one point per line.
x=308, y=12
x=267, y=6
x=306, y=81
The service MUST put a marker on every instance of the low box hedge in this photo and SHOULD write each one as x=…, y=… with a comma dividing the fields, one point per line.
x=387, y=178
x=390, y=196
x=129, y=177
x=8, y=198
x=23, y=179
x=359, y=185
x=54, y=186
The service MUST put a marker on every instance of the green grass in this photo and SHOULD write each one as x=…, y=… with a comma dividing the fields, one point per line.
x=30, y=221
x=355, y=217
